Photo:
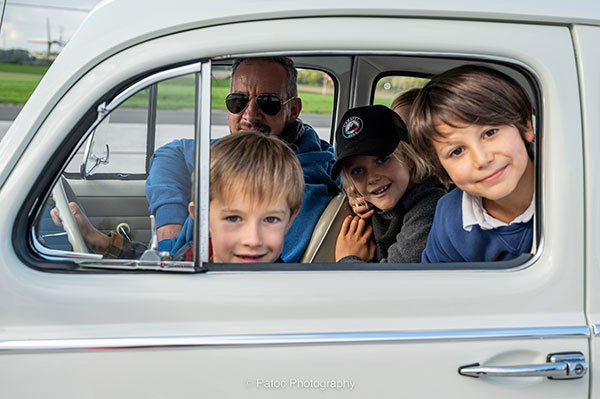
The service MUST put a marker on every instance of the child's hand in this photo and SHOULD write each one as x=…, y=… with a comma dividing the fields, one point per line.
x=355, y=239
x=359, y=206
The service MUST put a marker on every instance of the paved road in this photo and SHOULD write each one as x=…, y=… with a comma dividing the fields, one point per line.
x=321, y=122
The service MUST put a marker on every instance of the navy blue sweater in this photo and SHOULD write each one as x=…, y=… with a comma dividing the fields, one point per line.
x=448, y=241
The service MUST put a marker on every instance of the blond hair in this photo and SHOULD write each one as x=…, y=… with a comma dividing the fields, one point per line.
x=257, y=167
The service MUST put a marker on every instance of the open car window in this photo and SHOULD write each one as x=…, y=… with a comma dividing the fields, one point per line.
x=106, y=175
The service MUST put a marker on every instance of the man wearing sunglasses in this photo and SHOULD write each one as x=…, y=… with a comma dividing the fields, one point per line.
x=263, y=98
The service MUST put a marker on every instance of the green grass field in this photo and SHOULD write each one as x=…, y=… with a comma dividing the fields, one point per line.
x=17, y=82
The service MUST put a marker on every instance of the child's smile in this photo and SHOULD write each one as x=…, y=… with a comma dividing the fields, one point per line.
x=382, y=181
x=488, y=161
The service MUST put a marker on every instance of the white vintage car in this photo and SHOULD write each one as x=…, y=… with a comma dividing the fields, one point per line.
x=73, y=325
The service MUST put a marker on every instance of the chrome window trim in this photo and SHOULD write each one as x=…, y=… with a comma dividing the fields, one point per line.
x=507, y=61
x=148, y=81
x=366, y=337
x=202, y=164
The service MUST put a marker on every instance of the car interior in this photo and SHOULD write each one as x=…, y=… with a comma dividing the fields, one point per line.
x=106, y=175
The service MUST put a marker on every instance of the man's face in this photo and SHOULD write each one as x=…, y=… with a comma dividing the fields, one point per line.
x=247, y=232
x=257, y=77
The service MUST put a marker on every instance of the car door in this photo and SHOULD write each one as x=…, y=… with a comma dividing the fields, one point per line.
x=584, y=39
x=302, y=330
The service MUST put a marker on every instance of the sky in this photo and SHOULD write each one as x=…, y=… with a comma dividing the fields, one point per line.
x=25, y=20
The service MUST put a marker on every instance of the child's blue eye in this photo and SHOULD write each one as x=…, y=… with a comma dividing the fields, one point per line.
x=355, y=171
x=456, y=152
x=381, y=160
x=490, y=132
x=233, y=219
x=272, y=219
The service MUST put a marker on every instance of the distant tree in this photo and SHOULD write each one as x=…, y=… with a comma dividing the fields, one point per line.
x=18, y=56
x=308, y=77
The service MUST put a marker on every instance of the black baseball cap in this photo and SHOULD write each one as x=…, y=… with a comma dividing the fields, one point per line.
x=372, y=130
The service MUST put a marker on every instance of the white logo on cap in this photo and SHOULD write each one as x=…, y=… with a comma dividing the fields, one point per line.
x=352, y=127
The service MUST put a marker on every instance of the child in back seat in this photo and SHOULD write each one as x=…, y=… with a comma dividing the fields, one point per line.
x=474, y=125
x=379, y=165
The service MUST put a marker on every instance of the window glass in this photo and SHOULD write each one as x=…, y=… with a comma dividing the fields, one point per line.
x=389, y=87
x=161, y=113
x=317, y=91
x=175, y=110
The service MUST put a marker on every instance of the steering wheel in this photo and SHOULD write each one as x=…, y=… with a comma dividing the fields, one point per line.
x=67, y=218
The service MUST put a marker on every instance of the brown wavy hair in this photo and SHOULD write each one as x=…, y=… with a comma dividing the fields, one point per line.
x=466, y=95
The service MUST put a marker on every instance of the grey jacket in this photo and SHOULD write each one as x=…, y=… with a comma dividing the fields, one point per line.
x=401, y=233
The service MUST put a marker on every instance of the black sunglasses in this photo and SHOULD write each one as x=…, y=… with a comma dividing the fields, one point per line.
x=268, y=103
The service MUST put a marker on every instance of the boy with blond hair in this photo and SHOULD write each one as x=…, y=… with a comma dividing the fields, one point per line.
x=256, y=189
x=473, y=124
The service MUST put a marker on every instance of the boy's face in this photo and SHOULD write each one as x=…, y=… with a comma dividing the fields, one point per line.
x=247, y=232
x=488, y=161
x=382, y=181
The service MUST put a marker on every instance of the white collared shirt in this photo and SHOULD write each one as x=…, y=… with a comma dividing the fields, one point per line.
x=473, y=213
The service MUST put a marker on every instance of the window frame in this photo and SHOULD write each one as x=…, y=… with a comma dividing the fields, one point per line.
x=201, y=255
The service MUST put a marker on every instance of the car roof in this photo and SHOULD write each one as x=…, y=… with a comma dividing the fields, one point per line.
x=141, y=20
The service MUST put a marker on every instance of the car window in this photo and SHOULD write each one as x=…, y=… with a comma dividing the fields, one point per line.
x=103, y=185
x=388, y=87
x=106, y=175
x=126, y=139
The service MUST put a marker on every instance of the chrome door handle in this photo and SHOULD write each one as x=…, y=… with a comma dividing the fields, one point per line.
x=559, y=366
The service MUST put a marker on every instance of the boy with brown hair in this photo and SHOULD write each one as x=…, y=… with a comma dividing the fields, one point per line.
x=473, y=124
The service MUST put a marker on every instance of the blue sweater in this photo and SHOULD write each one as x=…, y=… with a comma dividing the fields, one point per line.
x=168, y=189
x=448, y=241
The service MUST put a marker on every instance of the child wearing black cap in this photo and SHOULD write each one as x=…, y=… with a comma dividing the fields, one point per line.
x=379, y=164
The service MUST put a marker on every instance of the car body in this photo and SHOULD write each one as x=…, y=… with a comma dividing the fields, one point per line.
x=73, y=327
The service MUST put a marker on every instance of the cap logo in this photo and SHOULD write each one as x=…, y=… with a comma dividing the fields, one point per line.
x=352, y=127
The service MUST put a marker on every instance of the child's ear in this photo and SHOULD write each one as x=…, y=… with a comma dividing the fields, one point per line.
x=529, y=136
x=291, y=220
x=191, y=209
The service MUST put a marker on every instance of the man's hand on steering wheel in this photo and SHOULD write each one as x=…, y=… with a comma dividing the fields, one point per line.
x=94, y=239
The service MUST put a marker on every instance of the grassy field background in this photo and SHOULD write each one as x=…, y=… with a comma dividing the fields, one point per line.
x=17, y=83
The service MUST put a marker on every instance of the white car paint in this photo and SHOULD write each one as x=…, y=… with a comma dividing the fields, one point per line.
x=373, y=333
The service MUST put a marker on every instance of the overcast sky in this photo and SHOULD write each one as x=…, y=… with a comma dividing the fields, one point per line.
x=25, y=20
